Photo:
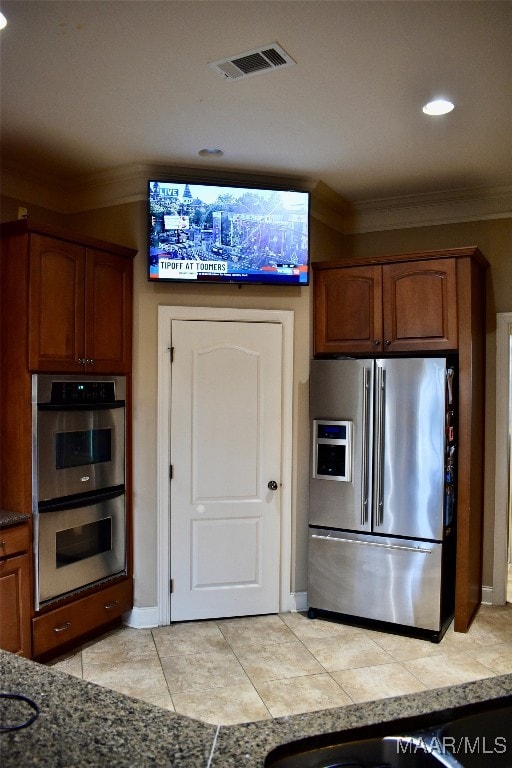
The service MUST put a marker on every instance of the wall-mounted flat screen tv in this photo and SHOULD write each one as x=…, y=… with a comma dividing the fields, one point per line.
x=217, y=233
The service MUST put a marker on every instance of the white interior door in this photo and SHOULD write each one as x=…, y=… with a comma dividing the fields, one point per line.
x=225, y=450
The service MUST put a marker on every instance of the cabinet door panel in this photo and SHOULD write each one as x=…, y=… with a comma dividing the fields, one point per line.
x=56, y=304
x=108, y=313
x=420, y=305
x=15, y=605
x=348, y=310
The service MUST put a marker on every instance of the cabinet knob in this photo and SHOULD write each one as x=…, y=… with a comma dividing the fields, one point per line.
x=388, y=342
x=89, y=361
x=377, y=342
x=81, y=360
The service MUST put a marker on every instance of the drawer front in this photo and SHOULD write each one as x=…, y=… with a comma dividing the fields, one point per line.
x=375, y=577
x=84, y=615
x=14, y=540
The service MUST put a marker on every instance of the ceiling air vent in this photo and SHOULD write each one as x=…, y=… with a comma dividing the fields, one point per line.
x=250, y=63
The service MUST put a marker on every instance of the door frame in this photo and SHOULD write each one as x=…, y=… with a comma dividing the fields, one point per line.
x=166, y=314
x=503, y=457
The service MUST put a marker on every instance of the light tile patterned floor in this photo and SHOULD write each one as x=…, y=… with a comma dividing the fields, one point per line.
x=236, y=670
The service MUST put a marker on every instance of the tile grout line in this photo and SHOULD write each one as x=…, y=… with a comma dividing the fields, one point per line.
x=326, y=671
x=402, y=664
x=162, y=670
x=251, y=681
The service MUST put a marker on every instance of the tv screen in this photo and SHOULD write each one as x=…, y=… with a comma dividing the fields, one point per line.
x=201, y=232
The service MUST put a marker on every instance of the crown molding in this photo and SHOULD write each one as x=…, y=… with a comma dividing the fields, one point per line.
x=35, y=189
x=426, y=210
x=127, y=184
x=329, y=207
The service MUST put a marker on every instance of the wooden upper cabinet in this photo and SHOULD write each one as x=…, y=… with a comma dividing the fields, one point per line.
x=56, y=304
x=420, y=306
x=108, y=312
x=407, y=306
x=348, y=310
x=80, y=308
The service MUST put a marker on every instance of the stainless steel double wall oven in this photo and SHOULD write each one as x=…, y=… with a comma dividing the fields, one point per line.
x=78, y=467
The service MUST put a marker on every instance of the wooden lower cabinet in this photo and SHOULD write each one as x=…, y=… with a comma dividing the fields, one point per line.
x=15, y=590
x=15, y=605
x=81, y=617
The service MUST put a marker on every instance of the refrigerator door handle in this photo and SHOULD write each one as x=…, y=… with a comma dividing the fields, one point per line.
x=379, y=445
x=421, y=550
x=366, y=446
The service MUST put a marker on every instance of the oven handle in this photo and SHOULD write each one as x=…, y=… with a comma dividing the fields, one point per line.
x=81, y=406
x=87, y=500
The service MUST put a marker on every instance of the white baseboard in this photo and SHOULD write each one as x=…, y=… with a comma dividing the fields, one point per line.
x=298, y=602
x=142, y=618
x=147, y=618
x=487, y=596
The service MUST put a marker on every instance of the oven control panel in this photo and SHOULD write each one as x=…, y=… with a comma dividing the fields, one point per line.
x=82, y=392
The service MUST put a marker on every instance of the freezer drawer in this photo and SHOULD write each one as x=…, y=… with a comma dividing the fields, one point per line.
x=375, y=577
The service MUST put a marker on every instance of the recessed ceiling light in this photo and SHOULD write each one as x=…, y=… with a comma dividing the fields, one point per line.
x=210, y=152
x=438, y=107
x=3, y=20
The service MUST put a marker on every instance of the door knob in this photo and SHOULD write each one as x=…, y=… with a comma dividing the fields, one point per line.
x=272, y=485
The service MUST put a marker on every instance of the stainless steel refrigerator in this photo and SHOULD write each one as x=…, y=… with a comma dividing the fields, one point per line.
x=382, y=492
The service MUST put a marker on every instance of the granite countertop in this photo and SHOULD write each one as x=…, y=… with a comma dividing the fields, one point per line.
x=8, y=518
x=82, y=724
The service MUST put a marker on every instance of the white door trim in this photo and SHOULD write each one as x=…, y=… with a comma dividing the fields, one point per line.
x=503, y=388
x=165, y=315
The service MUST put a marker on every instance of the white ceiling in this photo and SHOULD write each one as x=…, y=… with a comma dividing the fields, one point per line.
x=91, y=86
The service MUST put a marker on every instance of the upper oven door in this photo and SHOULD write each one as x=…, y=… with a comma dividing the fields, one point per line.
x=79, y=450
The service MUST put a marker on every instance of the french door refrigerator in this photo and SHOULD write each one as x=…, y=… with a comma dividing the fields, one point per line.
x=382, y=492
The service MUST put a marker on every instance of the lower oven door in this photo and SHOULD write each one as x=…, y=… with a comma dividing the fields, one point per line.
x=79, y=544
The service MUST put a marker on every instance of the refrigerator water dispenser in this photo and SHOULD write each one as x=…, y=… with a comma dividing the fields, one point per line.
x=332, y=450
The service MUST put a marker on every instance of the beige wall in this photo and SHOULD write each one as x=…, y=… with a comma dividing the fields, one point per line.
x=126, y=225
